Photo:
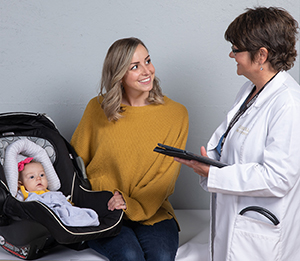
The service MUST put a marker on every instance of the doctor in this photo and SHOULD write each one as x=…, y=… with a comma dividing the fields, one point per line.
x=260, y=140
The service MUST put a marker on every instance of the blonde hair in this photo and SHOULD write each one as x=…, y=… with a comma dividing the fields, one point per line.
x=115, y=66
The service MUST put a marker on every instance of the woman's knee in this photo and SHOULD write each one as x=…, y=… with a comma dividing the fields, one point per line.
x=123, y=252
x=161, y=255
x=133, y=254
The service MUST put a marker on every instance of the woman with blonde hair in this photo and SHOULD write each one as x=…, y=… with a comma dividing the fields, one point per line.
x=114, y=69
x=116, y=137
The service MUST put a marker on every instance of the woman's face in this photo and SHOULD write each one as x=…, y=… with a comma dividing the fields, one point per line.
x=245, y=66
x=138, y=81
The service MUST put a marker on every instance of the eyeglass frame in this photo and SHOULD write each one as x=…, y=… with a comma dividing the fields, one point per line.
x=235, y=50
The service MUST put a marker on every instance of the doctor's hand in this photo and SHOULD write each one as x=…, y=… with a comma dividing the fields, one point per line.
x=116, y=202
x=200, y=168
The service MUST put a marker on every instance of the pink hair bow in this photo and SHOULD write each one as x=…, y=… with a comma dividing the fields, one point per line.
x=22, y=163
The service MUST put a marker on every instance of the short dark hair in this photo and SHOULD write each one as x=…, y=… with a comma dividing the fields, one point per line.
x=273, y=28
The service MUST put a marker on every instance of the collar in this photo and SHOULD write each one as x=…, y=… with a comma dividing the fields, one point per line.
x=26, y=193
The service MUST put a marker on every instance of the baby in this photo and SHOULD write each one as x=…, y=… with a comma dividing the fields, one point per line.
x=33, y=185
x=32, y=177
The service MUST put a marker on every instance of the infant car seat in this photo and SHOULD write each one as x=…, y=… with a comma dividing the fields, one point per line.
x=29, y=229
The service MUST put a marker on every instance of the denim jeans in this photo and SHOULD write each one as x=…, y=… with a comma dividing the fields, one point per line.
x=138, y=242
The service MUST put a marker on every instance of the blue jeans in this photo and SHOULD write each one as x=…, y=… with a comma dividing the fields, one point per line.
x=138, y=242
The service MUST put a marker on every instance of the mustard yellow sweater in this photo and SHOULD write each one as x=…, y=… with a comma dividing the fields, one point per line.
x=119, y=155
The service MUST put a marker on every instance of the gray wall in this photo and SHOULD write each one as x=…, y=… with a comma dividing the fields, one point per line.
x=52, y=54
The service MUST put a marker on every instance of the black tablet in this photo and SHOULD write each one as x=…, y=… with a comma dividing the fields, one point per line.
x=183, y=154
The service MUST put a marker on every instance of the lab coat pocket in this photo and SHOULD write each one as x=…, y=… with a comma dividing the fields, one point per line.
x=254, y=240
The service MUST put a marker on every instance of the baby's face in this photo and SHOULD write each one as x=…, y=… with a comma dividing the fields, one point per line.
x=33, y=177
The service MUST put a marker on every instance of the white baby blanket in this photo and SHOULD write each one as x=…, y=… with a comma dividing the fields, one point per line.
x=68, y=214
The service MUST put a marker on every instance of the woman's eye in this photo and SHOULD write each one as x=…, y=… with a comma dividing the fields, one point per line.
x=134, y=67
x=148, y=61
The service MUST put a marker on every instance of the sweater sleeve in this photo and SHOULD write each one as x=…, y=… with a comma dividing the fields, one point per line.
x=150, y=196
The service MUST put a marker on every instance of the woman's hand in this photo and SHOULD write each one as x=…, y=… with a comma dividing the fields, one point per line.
x=200, y=168
x=116, y=202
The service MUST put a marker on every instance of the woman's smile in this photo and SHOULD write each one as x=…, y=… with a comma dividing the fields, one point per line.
x=146, y=81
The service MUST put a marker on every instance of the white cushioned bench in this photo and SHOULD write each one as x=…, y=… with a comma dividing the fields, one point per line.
x=193, y=241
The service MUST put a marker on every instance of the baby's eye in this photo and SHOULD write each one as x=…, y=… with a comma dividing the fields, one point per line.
x=31, y=177
x=42, y=175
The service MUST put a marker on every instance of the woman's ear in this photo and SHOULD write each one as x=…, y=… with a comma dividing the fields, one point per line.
x=262, y=55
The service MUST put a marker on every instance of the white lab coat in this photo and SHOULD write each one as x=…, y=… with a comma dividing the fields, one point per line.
x=262, y=150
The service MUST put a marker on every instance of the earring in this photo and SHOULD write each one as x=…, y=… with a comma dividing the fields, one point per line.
x=261, y=68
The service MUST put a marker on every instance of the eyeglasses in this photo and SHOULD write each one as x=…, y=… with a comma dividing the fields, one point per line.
x=235, y=51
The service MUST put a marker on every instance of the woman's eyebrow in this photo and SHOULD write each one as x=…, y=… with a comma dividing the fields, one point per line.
x=139, y=62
